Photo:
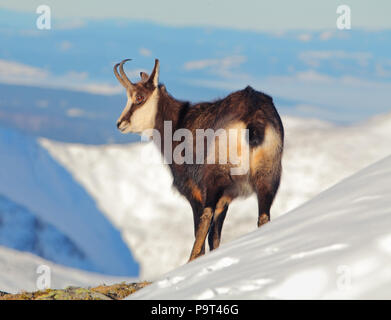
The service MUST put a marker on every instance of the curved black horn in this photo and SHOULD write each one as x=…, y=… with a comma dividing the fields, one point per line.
x=118, y=76
x=123, y=74
x=124, y=79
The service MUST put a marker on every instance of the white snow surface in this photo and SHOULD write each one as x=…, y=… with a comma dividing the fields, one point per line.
x=336, y=246
x=157, y=223
x=18, y=271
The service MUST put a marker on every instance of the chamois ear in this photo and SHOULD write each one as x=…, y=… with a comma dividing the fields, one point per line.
x=154, y=78
x=144, y=76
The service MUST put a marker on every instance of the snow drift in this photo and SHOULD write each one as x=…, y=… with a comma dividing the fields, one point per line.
x=336, y=246
x=138, y=199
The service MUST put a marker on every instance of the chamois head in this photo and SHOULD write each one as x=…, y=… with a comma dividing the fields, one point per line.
x=140, y=111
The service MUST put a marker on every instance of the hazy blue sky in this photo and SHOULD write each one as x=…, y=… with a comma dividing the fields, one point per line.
x=206, y=48
x=245, y=14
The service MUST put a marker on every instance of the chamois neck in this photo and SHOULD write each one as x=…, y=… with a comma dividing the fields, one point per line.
x=169, y=109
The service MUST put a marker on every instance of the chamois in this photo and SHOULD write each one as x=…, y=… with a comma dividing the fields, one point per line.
x=210, y=187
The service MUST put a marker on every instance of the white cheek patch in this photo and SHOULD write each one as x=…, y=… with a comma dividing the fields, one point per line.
x=144, y=117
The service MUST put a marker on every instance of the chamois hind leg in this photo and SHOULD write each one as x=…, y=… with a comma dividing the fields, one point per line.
x=218, y=221
x=265, y=195
x=202, y=228
x=265, y=200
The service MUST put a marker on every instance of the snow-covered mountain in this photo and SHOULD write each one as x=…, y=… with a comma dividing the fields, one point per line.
x=30, y=178
x=336, y=246
x=156, y=222
x=20, y=271
x=24, y=231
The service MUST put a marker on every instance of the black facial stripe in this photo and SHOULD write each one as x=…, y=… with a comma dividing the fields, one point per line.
x=132, y=109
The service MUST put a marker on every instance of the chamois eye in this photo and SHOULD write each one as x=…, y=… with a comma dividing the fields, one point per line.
x=139, y=99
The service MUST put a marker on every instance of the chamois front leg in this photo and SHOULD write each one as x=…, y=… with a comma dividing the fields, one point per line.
x=201, y=232
x=218, y=221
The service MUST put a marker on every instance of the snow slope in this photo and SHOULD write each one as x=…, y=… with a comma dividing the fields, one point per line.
x=31, y=178
x=18, y=271
x=336, y=246
x=22, y=230
x=138, y=199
